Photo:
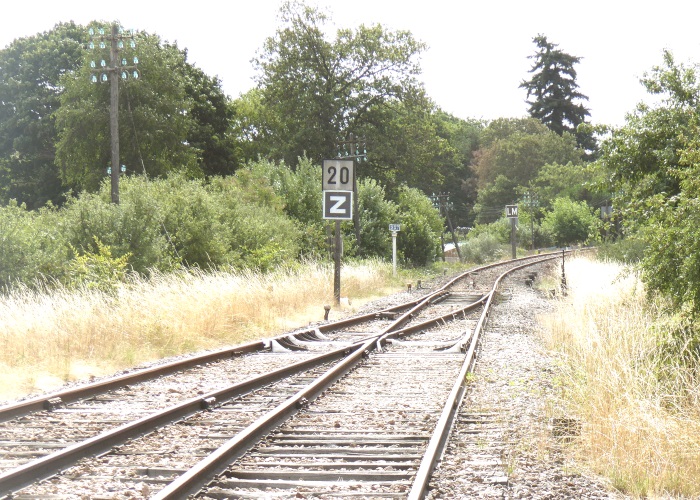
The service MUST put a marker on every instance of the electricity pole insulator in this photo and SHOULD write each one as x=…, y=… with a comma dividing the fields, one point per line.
x=114, y=113
x=111, y=74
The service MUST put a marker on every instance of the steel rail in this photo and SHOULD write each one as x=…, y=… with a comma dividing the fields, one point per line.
x=39, y=403
x=21, y=408
x=442, y=430
x=66, y=396
x=199, y=475
x=51, y=464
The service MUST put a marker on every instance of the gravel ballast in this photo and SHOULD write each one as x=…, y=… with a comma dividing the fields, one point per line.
x=507, y=442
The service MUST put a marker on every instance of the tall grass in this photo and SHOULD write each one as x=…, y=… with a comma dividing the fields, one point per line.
x=639, y=405
x=54, y=335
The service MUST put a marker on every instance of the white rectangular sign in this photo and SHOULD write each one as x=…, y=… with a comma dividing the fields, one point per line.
x=338, y=175
x=512, y=211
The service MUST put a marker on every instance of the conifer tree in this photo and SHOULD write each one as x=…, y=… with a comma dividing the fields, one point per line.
x=552, y=92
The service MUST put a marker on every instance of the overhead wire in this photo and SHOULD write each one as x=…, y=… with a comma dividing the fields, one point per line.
x=143, y=165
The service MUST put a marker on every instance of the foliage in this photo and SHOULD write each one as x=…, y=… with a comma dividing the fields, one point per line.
x=32, y=243
x=421, y=227
x=463, y=137
x=641, y=157
x=625, y=250
x=295, y=192
x=157, y=102
x=482, y=247
x=30, y=88
x=570, y=222
x=159, y=225
x=99, y=270
x=512, y=153
x=492, y=199
x=562, y=181
x=376, y=213
x=299, y=190
x=405, y=147
x=317, y=90
x=54, y=123
x=654, y=163
x=555, y=92
x=252, y=126
x=499, y=229
x=212, y=117
x=132, y=227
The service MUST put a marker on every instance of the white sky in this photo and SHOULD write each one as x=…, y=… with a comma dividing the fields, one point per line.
x=477, y=53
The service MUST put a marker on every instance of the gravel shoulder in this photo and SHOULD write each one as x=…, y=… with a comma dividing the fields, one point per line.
x=508, y=440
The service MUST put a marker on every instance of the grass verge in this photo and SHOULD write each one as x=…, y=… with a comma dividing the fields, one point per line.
x=53, y=336
x=638, y=404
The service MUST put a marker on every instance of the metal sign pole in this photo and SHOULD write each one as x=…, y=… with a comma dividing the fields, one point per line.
x=394, y=228
x=512, y=214
x=393, y=248
x=336, y=263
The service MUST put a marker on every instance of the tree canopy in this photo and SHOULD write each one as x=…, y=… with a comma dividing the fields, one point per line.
x=512, y=153
x=318, y=90
x=554, y=91
x=653, y=162
x=54, y=123
x=30, y=86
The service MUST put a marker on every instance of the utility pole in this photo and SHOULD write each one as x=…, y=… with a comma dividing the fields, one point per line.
x=111, y=74
x=354, y=149
x=114, y=113
x=533, y=201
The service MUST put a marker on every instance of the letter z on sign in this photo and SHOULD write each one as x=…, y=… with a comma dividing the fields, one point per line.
x=337, y=205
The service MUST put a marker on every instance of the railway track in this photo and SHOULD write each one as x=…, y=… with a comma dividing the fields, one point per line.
x=359, y=407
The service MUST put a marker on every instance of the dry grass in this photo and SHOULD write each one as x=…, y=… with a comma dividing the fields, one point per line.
x=48, y=338
x=639, y=408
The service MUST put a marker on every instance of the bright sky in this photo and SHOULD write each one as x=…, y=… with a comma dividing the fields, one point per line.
x=478, y=51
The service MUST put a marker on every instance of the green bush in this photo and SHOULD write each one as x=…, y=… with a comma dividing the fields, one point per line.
x=500, y=230
x=421, y=227
x=133, y=227
x=570, y=222
x=629, y=250
x=32, y=244
x=376, y=213
x=482, y=248
x=97, y=271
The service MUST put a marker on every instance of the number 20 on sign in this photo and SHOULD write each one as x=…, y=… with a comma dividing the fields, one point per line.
x=338, y=175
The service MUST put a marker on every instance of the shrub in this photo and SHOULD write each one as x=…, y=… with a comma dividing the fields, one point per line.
x=376, y=213
x=32, y=243
x=482, y=248
x=570, y=222
x=421, y=227
x=98, y=271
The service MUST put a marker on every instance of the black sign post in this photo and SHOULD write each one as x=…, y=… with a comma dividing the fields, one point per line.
x=512, y=214
x=338, y=185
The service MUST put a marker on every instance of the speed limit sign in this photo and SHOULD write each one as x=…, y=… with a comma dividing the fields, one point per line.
x=338, y=175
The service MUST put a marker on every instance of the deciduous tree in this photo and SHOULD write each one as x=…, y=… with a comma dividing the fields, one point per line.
x=153, y=115
x=174, y=117
x=512, y=153
x=319, y=90
x=653, y=162
x=30, y=89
